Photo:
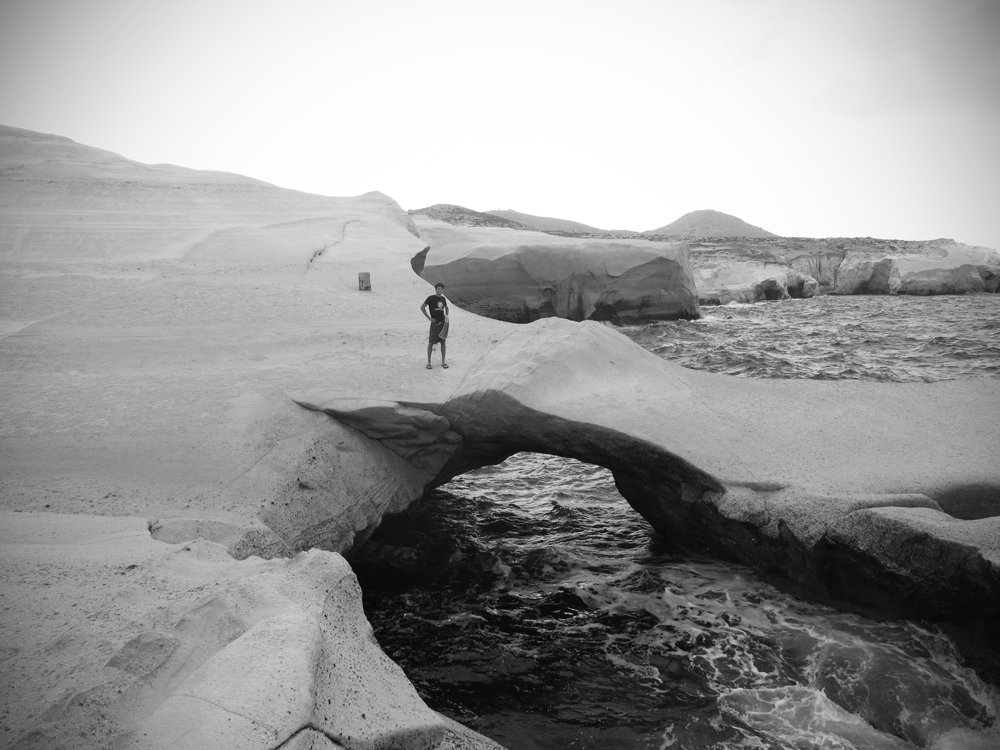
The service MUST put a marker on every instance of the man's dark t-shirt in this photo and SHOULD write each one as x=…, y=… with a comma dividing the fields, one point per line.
x=432, y=304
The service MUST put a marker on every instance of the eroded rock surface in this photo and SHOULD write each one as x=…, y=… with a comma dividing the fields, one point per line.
x=152, y=321
x=725, y=274
x=520, y=276
x=755, y=269
x=510, y=274
x=940, y=267
x=189, y=648
x=832, y=483
x=155, y=324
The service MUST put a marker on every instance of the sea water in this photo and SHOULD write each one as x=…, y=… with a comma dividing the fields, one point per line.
x=881, y=338
x=528, y=601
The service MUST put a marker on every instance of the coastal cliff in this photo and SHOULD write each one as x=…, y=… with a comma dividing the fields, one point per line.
x=523, y=275
x=729, y=260
x=154, y=320
x=748, y=269
x=758, y=269
x=201, y=411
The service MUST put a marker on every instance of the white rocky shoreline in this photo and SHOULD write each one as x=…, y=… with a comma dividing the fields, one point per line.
x=201, y=411
x=520, y=274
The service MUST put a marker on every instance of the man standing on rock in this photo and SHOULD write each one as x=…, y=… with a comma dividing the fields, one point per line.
x=439, y=323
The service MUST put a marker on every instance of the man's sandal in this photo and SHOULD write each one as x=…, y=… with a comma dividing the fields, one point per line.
x=429, y=367
x=444, y=366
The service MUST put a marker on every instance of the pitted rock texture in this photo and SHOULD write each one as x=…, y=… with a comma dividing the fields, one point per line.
x=520, y=276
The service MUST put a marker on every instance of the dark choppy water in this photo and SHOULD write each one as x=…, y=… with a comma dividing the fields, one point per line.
x=896, y=339
x=530, y=602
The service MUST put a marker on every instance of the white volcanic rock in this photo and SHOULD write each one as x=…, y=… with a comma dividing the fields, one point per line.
x=519, y=276
x=163, y=363
x=724, y=275
x=722, y=425
x=151, y=355
x=65, y=202
x=523, y=276
x=745, y=269
x=187, y=648
x=153, y=320
x=939, y=267
x=776, y=473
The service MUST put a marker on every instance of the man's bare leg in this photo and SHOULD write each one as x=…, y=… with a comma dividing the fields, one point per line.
x=444, y=351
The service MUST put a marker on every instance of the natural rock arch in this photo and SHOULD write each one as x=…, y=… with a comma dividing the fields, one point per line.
x=842, y=504
x=486, y=428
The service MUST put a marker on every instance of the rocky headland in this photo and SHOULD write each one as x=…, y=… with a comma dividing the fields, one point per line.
x=202, y=413
x=732, y=261
x=748, y=269
x=523, y=275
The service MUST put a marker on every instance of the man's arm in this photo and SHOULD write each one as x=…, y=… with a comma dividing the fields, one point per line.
x=423, y=309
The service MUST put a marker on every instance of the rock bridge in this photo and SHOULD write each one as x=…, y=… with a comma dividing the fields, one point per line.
x=878, y=496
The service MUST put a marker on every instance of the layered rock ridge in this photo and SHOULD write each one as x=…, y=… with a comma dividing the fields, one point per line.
x=832, y=487
x=747, y=269
x=520, y=276
x=65, y=202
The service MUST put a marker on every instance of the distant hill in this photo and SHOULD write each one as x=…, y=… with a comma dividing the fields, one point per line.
x=466, y=216
x=546, y=223
x=700, y=224
x=709, y=223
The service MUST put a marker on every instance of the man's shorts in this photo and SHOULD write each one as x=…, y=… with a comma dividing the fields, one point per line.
x=439, y=332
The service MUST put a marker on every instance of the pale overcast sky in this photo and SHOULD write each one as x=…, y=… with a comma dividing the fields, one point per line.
x=806, y=117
